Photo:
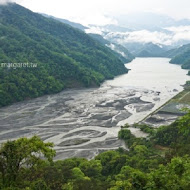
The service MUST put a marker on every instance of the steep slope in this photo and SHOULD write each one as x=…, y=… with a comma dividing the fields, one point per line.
x=65, y=57
x=150, y=50
x=182, y=59
x=144, y=53
x=180, y=56
x=175, y=52
x=73, y=24
x=121, y=51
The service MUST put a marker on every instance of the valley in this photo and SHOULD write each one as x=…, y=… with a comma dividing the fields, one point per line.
x=94, y=95
x=84, y=122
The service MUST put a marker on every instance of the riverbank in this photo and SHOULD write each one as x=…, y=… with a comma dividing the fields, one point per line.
x=171, y=110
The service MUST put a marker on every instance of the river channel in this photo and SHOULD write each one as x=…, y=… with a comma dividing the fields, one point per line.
x=85, y=122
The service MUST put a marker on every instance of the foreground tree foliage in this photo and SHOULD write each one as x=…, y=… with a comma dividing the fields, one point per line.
x=14, y=155
x=160, y=162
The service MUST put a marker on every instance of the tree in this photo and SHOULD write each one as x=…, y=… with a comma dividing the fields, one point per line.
x=174, y=175
x=24, y=152
x=91, y=168
x=39, y=185
x=184, y=124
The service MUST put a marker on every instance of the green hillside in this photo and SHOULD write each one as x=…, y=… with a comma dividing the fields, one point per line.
x=65, y=56
x=173, y=52
x=150, y=50
x=180, y=56
x=182, y=59
x=73, y=24
x=119, y=50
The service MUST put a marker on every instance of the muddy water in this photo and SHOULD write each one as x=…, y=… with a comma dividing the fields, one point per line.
x=85, y=122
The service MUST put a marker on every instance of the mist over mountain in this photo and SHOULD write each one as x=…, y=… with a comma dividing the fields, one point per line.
x=4, y=2
x=149, y=21
x=120, y=51
x=73, y=24
x=136, y=31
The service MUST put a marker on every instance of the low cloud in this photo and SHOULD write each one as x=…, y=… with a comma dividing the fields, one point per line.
x=94, y=19
x=169, y=36
x=178, y=29
x=94, y=30
x=180, y=33
x=4, y=2
x=141, y=36
x=182, y=36
x=145, y=36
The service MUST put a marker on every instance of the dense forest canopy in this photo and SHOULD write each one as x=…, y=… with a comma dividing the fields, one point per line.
x=182, y=59
x=65, y=56
x=180, y=56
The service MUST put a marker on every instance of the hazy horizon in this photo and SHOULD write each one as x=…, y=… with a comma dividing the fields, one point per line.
x=102, y=12
x=147, y=20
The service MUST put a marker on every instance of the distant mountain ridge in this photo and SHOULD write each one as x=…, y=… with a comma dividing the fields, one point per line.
x=136, y=30
x=149, y=50
x=149, y=21
x=73, y=24
x=121, y=51
x=180, y=56
x=129, y=26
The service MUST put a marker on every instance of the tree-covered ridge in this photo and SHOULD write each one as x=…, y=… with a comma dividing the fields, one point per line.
x=120, y=51
x=176, y=51
x=149, y=50
x=160, y=161
x=65, y=57
x=182, y=59
x=180, y=56
x=73, y=24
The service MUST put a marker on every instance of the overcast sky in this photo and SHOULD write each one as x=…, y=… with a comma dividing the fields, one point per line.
x=101, y=11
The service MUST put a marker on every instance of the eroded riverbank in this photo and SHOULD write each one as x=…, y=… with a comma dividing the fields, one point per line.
x=170, y=111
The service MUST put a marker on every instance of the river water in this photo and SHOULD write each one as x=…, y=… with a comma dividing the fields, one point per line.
x=85, y=122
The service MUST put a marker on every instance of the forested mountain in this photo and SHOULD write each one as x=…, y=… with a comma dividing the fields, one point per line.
x=175, y=52
x=182, y=59
x=65, y=56
x=148, y=50
x=140, y=49
x=121, y=51
x=73, y=24
x=180, y=56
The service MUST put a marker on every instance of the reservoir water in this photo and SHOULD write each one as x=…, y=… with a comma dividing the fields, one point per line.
x=85, y=122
